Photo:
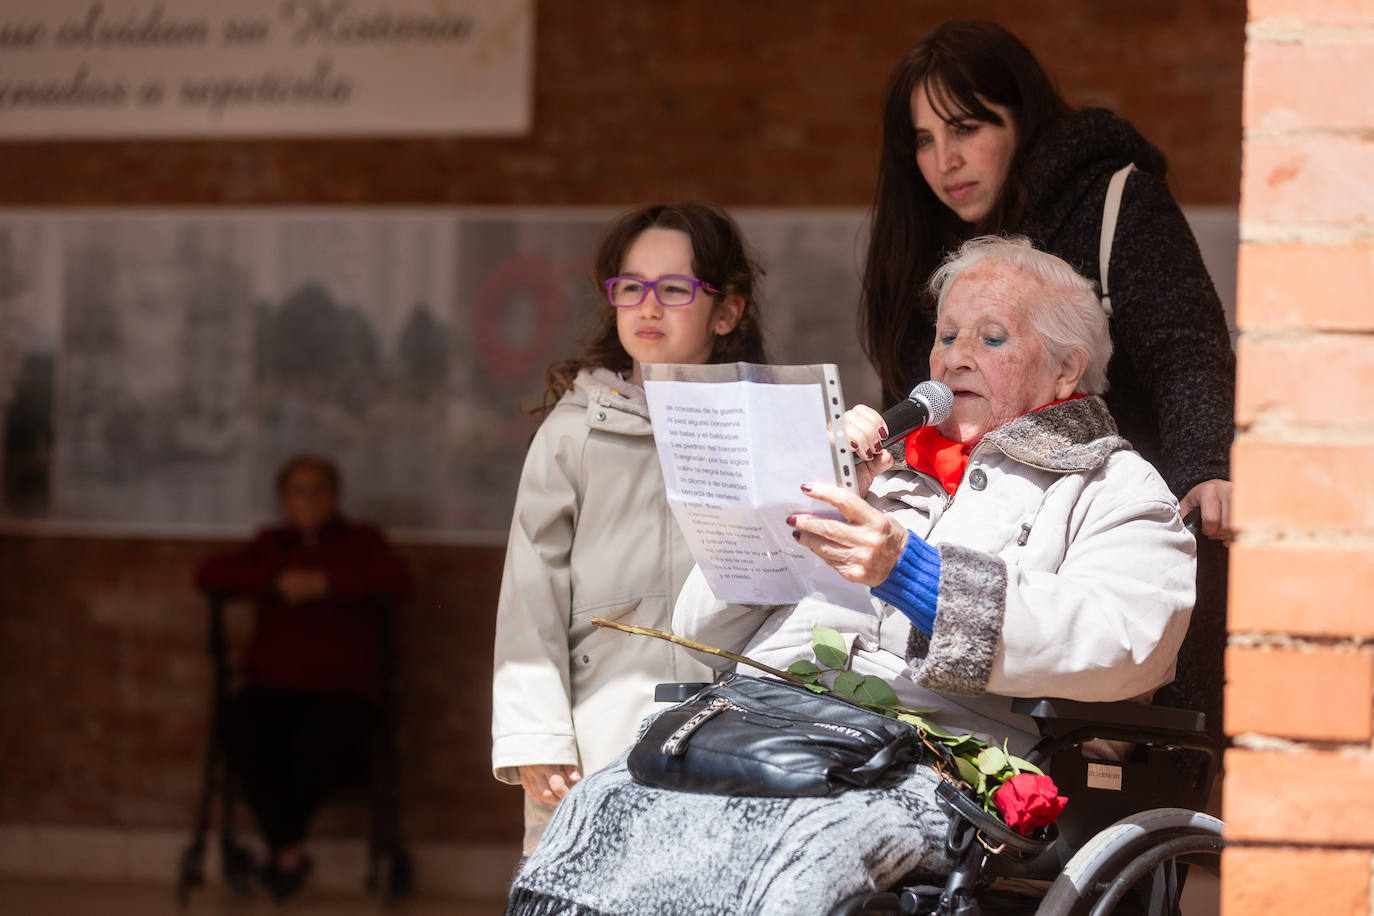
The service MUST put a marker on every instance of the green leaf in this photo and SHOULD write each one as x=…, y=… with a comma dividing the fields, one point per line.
x=829, y=647
x=967, y=771
x=874, y=691
x=964, y=745
x=805, y=670
x=847, y=683
x=919, y=710
x=1024, y=766
x=992, y=760
x=828, y=635
x=817, y=688
x=925, y=725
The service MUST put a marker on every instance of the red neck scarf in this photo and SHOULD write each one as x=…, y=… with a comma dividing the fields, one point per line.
x=944, y=459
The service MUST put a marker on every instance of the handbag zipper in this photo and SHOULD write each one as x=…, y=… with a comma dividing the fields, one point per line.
x=676, y=743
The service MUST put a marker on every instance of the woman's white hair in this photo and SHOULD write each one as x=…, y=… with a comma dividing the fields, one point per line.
x=1063, y=306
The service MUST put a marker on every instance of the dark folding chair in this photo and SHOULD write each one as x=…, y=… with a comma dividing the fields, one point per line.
x=390, y=867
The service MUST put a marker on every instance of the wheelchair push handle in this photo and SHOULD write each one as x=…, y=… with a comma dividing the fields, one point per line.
x=1193, y=522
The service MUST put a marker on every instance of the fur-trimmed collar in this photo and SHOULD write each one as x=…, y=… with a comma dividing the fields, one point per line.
x=1076, y=435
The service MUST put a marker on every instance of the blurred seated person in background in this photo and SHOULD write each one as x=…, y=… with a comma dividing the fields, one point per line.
x=312, y=674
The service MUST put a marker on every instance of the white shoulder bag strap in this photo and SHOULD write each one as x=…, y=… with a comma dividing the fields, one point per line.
x=1110, y=210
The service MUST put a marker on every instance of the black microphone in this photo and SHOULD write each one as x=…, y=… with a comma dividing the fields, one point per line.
x=929, y=404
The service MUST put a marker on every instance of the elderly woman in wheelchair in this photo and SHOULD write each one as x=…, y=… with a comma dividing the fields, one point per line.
x=1019, y=549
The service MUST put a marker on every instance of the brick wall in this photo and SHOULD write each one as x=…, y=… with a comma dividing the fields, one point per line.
x=105, y=687
x=1299, y=791
x=103, y=676
x=767, y=102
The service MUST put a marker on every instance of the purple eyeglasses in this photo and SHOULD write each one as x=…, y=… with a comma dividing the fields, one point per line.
x=672, y=291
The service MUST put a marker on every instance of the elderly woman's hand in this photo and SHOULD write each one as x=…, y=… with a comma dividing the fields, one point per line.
x=866, y=433
x=863, y=547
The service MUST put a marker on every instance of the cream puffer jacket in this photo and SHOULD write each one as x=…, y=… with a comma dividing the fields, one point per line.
x=1065, y=572
x=592, y=535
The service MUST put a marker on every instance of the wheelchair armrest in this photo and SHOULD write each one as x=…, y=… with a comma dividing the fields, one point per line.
x=1064, y=723
x=676, y=693
x=1053, y=714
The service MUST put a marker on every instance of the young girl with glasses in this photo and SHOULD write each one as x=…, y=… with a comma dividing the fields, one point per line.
x=592, y=534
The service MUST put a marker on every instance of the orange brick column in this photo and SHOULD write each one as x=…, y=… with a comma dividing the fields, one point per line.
x=1299, y=789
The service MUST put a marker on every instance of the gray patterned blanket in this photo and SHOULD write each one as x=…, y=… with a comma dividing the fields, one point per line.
x=616, y=848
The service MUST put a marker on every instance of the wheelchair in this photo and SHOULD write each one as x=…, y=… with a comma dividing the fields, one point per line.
x=390, y=867
x=1125, y=843
x=1132, y=829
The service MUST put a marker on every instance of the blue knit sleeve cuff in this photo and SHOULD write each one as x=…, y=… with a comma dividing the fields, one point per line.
x=913, y=586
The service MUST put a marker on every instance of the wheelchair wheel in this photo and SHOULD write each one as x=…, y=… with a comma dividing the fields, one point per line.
x=868, y=903
x=1136, y=865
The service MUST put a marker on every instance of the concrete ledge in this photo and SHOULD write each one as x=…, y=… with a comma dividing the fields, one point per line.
x=444, y=869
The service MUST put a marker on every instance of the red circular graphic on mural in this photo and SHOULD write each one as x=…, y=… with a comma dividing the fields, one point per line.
x=512, y=277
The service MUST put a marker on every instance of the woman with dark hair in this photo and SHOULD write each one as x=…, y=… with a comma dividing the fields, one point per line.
x=977, y=141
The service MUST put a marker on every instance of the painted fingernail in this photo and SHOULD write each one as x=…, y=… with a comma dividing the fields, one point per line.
x=854, y=445
x=806, y=488
x=882, y=432
x=796, y=535
x=792, y=520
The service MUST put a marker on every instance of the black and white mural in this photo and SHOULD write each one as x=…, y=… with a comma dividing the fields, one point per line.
x=156, y=367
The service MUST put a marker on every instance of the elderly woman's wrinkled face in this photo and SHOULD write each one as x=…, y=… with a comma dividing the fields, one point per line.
x=989, y=355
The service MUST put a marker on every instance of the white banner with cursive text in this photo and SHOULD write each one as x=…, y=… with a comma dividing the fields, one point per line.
x=262, y=68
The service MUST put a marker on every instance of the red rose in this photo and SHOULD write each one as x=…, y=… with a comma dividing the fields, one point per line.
x=1028, y=801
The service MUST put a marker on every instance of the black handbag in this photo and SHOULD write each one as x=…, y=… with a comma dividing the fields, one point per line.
x=763, y=737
